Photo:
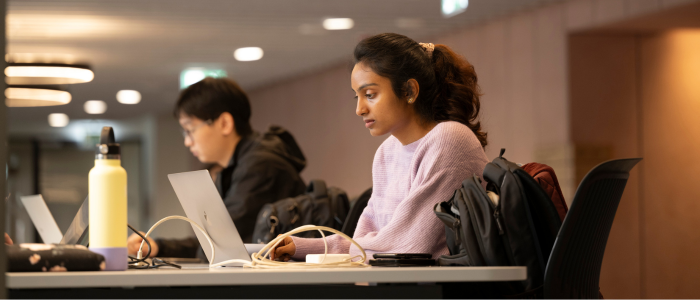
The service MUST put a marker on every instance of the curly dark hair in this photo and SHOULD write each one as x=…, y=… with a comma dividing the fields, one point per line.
x=447, y=81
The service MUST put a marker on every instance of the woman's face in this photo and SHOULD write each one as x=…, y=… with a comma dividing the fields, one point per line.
x=380, y=108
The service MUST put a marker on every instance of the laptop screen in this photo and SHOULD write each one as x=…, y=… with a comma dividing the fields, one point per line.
x=77, y=231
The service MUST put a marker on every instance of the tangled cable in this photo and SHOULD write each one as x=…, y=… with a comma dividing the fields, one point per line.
x=263, y=261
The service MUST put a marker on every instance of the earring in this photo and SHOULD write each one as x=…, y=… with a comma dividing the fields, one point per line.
x=410, y=100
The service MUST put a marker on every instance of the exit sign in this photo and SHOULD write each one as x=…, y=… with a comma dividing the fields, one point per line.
x=194, y=75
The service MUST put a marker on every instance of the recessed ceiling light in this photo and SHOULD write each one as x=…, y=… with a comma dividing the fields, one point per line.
x=338, y=23
x=40, y=73
x=30, y=97
x=128, y=97
x=58, y=120
x=248, y=53
x=453, y=7
x=95, y=107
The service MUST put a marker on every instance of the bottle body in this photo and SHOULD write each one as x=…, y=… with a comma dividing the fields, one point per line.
x=108, y=212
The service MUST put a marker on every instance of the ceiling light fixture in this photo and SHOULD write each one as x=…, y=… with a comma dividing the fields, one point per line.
x=248, y=53
x=453, y=7
x=39, y=96
x=42, y=73
x=338, y=23
x=95, y=107
x=58, y=120
x=128, y=97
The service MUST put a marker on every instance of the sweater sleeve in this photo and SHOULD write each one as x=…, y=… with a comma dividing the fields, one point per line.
x=442, y=164
x=336, y=244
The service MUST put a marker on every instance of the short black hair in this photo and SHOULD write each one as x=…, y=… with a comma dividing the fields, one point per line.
x=210, y=97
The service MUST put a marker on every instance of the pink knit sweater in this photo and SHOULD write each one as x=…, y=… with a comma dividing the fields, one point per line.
x=408, y=182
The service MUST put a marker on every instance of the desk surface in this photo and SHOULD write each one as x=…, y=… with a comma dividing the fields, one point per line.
x=241, y=276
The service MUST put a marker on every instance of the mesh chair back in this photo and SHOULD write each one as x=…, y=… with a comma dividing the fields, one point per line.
x=573, y=269
x=358, y=206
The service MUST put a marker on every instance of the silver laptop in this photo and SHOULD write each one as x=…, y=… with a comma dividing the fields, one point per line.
x=203, y=205
x=46, y=225
x=42, y=218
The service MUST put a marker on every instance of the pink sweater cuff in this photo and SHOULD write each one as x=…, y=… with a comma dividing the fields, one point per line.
x=306, y=246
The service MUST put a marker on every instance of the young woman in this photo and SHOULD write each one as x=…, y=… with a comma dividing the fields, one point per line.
x=427, y=98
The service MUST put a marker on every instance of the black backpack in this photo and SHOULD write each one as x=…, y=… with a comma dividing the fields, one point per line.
x=517, y=229
x=318, y=206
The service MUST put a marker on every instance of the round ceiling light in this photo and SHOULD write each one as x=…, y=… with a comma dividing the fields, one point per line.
x=41, y=73
x=128, y=97
x=248, y=53
x=95, y=107
x=30, y=97
x=338, y=23
x=58, y=120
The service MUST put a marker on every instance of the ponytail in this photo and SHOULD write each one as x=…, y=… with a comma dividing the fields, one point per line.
x=458, y=93
x=448, y=82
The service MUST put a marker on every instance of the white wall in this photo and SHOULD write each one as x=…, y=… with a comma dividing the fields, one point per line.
x=165, y=154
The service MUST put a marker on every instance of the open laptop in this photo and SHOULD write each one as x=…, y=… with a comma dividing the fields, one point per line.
x=46, y=225
x=203, y=205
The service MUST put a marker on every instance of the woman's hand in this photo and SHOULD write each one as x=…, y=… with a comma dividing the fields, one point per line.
x=8, y=240
x=134, y=241
x=284, y=250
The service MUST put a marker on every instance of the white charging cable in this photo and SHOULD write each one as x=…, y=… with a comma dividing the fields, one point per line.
x=263, y=261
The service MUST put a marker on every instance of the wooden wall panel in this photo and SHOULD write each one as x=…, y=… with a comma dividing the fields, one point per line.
x=671, y=97
x=604, y=114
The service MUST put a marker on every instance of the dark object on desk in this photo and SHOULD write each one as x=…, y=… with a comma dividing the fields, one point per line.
x=52, y=258
x=183, y=260
x=319, y=206
x=402, y=262
x=510, y=223
x=402, y=255
x=573, y=270
x=151, y=263
x=356, y=208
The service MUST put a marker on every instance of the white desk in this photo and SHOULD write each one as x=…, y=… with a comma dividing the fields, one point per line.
x=241, y=276
x=69, y=282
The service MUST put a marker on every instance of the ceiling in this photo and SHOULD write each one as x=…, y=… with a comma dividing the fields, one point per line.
x=145, y=44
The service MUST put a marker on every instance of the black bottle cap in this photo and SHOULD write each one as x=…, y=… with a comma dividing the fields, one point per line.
x=107, y=145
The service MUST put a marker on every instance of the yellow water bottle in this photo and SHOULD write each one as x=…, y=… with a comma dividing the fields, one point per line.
x=107, y=192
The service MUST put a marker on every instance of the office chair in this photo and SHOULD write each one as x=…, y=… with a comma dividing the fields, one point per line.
x=358, y=206
x=573, y=269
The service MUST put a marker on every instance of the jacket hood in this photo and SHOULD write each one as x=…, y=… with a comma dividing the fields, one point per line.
x=281, y=142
